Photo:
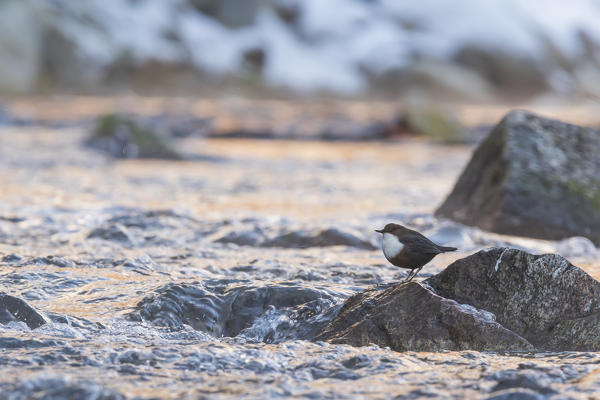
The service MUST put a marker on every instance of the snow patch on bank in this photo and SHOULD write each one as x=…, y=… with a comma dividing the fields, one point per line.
x=333, y=45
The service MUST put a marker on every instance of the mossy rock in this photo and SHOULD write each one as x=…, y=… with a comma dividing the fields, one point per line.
x=123, y=136
x=533, y=177
x=435, y=124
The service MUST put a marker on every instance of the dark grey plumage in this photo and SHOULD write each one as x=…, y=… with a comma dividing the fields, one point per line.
x=414, y=250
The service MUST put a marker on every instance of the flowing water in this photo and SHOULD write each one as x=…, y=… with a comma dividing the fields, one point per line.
x=208, y=278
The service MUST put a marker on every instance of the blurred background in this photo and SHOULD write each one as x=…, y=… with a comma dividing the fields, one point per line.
x=487, y=51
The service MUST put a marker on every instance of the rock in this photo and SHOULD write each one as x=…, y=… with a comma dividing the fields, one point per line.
x=433, y=123
x=511, y=74
x=123, y=136
x=545, y=299
x=516, y=394
x=16, y=343
x=53, y=260
x=111, y=232
x=577, y=247
x=14, y=309
x=534, y=177
x=20, y=45
x=320, y=238
x=141, y=227
x=258, y=236
x=60, y=387
x=412, y=317
x=64, y=65
x=232, y=13
x=222, y=308
x=495, y=300
x=528, y=379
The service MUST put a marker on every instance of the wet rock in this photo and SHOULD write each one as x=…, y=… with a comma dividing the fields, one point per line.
x=14, y=309
x=15, y=343
x=516, y=394
x=228, y=308
x=59, y=388
x=534, y=177
x=150, y=219
x=54, y=260
x=320, y=238
x=175, y=305
x=12, y=219
x=260, y=237
x=545, y=299
x=495, y=300
x=123, y=136
x=111, y=232
x=534, y=380
x=412, y=317
x=147, y=227
x=12, y=258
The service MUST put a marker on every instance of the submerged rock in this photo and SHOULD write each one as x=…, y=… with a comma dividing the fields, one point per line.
x=534, y=177
x=112, y=232
x=495, y=300
x=14, y=309
x=123, y=136
x=59, y=387
x=138, y=227
x=260, y=237
x=222, y=308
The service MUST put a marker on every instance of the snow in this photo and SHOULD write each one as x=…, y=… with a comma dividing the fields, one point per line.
x=335, y=44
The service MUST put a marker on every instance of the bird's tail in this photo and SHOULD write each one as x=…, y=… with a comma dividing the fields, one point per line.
x=445, y=248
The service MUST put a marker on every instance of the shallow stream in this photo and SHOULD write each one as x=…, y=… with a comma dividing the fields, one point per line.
x=208, y=278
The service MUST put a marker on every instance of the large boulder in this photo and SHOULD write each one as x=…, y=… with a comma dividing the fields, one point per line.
x=534, y=177
x=412, y=317
x=543, y=298
x=495, y=300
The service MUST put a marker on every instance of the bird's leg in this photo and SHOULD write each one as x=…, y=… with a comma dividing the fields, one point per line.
x=408, y=278
x=411, y=278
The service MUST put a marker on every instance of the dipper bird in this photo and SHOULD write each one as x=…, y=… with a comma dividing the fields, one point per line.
x=409, y=249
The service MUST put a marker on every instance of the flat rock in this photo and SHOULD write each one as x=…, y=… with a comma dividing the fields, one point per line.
x=533, y=177
x=495, y=300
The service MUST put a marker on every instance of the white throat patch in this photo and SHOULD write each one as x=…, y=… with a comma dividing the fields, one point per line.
x=391, y=246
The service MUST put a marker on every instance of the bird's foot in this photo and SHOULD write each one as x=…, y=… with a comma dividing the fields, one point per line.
x=412, y=275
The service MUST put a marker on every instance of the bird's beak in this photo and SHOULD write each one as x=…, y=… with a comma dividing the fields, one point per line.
x=379, y=230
